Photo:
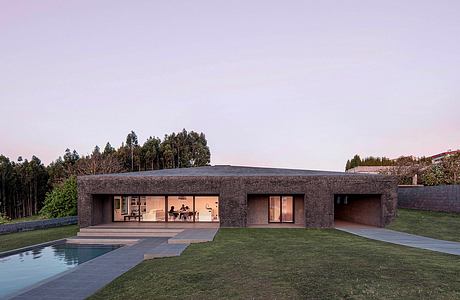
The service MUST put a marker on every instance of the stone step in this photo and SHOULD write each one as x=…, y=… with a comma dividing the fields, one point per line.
x=191, y=236
x=144, y=230
x=166, y=250
x=126, y=234
x=101, y=241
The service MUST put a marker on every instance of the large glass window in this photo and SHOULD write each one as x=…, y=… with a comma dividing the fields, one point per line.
x=166, y=208
x=155, y=209
x=127, y=208
x=180, y=209
x=281, y=209
x=207, y=209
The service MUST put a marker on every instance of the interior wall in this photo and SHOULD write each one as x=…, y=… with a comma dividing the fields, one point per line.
x=257, y=210
x=362, y=209
x=102, y=209
x=207, y=208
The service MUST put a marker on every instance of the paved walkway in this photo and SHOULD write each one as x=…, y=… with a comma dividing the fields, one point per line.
x=177, y=244
x=401, y=238
x=189, y=236
x=166, y=250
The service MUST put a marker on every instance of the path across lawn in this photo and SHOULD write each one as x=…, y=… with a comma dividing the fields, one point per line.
x=402, y=238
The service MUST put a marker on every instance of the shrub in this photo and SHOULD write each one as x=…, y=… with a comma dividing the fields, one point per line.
x=62, y=200
x=4, y=219
x=434, y=175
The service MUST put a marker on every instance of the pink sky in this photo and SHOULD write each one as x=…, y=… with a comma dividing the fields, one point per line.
x=300, y=84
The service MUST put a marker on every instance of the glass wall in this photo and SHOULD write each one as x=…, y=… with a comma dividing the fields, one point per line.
x=127, y=208
x=281, y=209
x=207, y=209
x=287, y=209
x=180, y=208
x=155, y=209
x=274, y=209
x=166, y=208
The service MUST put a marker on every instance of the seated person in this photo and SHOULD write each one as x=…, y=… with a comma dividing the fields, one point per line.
x=173, y=213
x=183, y=212
x=189, y=213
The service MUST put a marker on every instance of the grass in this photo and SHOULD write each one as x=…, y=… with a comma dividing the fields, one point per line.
x=26, y=219
x=249, y=263
x=22, y=239
x=439, y=225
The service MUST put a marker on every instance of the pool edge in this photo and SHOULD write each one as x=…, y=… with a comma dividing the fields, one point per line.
x=31, y=247
x=54, y=277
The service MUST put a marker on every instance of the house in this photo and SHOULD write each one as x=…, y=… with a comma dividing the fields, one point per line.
x=370, y=169
x=437, y=158
x=231, y=196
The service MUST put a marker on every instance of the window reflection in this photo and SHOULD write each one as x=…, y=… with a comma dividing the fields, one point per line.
x=281, y=209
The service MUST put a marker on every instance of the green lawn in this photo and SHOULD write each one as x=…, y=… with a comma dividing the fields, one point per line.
x=22, y=239
x=445, y=226
x=249, y=263
x=26, y=219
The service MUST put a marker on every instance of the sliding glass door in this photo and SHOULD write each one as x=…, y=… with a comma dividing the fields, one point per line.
x=281, y=209
x=287, y=209
x=275, y=209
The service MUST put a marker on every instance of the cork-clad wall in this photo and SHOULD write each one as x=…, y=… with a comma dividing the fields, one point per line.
x=318, y=190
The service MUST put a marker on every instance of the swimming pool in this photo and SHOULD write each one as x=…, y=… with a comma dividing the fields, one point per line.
x=21, y=270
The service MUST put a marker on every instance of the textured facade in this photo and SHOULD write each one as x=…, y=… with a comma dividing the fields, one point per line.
x=234, y=186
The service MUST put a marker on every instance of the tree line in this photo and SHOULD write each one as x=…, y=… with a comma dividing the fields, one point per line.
x=24, y=184
x=405, y=168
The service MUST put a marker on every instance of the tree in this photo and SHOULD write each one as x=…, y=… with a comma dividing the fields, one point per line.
x=131, y=139
x=108, y=149
x=348, y=165
x=355, y=161
x=62, y=200
x=451, y=166
x=200, y=153
x=405, y=168
x=184, y=150
x=133, y=145
x=25, y=184
x=434, y=175
x=97, y=163
x=150, y=154
x=167, y=155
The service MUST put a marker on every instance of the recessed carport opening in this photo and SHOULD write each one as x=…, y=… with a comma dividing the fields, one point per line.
x=361, y=209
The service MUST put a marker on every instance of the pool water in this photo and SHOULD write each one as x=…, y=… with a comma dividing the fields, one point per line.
x=26, y=268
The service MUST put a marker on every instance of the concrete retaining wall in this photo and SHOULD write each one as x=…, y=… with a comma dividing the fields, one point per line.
x=444, y=198
x=40, y=224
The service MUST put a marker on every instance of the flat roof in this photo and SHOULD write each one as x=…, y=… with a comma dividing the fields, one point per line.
x=227, y=170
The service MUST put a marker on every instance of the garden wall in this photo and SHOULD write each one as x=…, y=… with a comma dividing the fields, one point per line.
x=40, y=224
x=444, y=198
